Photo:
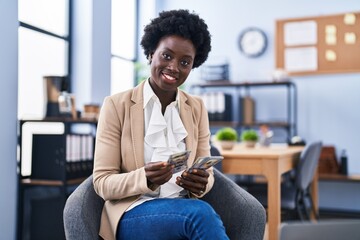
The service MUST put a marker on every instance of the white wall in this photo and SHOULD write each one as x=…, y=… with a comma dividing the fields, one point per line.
x=91, y=51
x=8, y=119
x=147, y=11
x=327, y=104
x=101, y=35
x=82, y=56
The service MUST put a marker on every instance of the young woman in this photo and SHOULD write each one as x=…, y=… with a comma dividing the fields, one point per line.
x=140, y=128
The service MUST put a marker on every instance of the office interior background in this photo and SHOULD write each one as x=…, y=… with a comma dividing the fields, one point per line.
x=327, y=104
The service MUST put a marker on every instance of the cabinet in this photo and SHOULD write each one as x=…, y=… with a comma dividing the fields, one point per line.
x=55, y=156
x=246, y=91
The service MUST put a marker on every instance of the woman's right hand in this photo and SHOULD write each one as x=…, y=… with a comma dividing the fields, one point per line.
x=158, y=172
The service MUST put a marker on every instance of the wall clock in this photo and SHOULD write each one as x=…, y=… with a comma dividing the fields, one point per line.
x=252, y=42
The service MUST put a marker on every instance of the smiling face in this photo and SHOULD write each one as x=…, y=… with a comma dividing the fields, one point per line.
x=171, y=64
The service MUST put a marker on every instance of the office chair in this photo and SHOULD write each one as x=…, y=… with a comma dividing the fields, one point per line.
x=296, y=199
x=243, y=216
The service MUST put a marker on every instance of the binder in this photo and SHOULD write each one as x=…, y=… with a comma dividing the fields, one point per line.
x=48, y=157
x=248, y=105
x=219, y=106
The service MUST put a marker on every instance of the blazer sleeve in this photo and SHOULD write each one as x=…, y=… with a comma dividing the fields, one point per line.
x=110, y=180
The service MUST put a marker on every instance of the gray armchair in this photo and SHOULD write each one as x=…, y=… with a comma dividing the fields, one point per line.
x=243, y=216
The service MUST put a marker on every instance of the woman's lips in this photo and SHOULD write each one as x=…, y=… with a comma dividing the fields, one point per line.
x=169, y=78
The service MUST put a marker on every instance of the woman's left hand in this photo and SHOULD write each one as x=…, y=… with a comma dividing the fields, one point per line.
x=195, y=181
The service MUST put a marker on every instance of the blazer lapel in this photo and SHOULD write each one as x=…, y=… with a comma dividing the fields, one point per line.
x=137, y=125
x=186, y=117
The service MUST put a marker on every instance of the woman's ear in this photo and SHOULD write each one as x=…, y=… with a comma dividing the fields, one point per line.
x=150, y=57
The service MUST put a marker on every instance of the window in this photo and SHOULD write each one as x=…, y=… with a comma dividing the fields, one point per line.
x=44, y=50
x=123, y=44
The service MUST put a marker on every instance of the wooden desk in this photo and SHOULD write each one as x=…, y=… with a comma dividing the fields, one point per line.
x=270, y=162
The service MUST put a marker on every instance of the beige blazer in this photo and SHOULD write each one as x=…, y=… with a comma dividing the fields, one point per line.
x=119, y=175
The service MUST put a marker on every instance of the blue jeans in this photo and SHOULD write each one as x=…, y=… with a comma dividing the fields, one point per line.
x=166, y=218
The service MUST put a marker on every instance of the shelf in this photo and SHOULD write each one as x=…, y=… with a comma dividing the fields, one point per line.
x=222, y=123
x=257, y=124
x=246, y=101
x=56, y=153
x=226, y=83
x=271, y=124
x=41, y=182
x=339, y=177
x=64, y=120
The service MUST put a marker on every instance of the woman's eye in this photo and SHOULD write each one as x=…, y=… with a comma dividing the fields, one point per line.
x=166, y=56
x=185, y=63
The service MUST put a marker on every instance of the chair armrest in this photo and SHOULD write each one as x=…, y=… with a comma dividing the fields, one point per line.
x=82, y=212
x=243, y=216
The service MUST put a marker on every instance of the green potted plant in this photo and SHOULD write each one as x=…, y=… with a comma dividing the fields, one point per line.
x=227, y=137
x=249, y=137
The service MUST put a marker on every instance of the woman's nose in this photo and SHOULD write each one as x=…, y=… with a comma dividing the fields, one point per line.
x=173, y=66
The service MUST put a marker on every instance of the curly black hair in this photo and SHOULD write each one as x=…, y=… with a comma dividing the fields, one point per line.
x=181, y=23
